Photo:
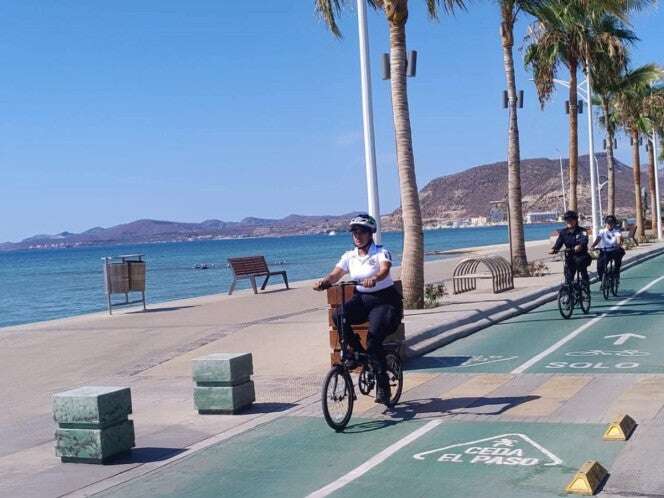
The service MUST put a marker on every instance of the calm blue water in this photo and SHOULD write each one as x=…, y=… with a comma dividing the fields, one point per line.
x=42, y=285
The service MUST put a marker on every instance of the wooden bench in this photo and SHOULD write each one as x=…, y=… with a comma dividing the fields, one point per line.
x=250, y=267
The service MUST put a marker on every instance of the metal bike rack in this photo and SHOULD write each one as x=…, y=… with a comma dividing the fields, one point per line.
x=122, y=275
x=499, y=271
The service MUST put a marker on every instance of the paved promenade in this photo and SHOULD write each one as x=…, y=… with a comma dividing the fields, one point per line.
x=287, y=333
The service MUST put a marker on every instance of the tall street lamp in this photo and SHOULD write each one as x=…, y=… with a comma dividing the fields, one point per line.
x=367, y=118
x=586, y=96
x=562, y=179
x=653, y=141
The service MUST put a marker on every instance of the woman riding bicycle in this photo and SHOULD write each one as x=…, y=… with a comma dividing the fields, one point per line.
x=575, y=240
x=375, y=299
x=610, y=246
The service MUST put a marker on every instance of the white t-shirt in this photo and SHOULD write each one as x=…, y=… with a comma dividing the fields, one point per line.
x=609, y=238
x=361, y=267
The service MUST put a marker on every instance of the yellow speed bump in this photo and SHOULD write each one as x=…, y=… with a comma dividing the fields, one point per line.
x=588, y=479
x=620, y=429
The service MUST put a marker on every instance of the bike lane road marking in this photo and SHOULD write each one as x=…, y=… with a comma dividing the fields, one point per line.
x=374, y=461
x=554, y=347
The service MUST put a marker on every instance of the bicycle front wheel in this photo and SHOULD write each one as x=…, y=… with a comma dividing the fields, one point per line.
x=565, y=301
x=337, y=398
x=395, y=376
x=584, y=298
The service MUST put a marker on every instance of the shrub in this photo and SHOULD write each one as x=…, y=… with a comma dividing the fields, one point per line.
x=433, y=294
x=538, y=269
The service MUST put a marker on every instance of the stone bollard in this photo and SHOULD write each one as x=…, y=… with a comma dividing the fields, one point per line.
x=93, y=424
x=223, y=383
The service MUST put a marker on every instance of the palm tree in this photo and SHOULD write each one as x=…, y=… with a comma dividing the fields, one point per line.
x=571, y=33
x=629, y=104
x=653, y=110
x=396, y=13
x=607, y=72
x=509, y=10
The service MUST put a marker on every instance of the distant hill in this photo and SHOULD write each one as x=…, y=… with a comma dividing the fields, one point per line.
x=469, y=193
x=146, y=231
x=448, y=198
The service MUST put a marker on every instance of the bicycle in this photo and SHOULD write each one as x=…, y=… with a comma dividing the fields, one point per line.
x=610, y=279
x=571, y=293
x=338, y=389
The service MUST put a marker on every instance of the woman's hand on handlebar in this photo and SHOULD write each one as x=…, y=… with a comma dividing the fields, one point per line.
x=322, y=284
x=369, y=282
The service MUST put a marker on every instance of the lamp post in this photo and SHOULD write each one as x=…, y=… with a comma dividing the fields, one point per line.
x=562, y=179
x=653, y=141
x=586, y=96
x=367, y=118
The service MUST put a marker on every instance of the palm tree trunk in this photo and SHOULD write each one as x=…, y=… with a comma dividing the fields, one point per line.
x=611, y=176
x=519, y=257
x=573, y=137
x=412, y=262
x=651, y=186
x=636, y=171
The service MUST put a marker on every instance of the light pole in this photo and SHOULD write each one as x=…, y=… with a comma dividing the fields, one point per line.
x=367, y=118
x=586, y=96
x=562, y=179
x=653, y=141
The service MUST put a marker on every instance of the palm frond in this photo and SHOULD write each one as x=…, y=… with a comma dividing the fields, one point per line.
x=328, y=10
x=447, y=6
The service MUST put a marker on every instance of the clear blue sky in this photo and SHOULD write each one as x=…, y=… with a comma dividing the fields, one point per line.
x=113, y=111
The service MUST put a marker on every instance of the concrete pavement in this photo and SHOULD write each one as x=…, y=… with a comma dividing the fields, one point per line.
x=151, y=352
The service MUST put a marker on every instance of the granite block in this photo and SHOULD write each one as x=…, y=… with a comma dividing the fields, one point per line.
x=226, y=369
x=94, y=405
x=85, y=445
x=224, y=399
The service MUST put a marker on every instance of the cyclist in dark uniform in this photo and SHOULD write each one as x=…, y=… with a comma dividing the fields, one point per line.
x=575, y=240
x=376, y=299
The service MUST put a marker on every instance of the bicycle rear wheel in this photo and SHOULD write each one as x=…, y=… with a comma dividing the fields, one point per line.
x=395, y=376
x=565, y=301
x=616, y=283
x=606, y=284
x=337, y=398
x=584, y=298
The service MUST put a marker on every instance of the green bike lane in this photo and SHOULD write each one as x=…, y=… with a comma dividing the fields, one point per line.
x=439, y=455
x=300, y=456
x=624, y=334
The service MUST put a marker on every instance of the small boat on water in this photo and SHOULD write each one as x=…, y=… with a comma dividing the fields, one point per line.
x=331, y=233
x=203, y=266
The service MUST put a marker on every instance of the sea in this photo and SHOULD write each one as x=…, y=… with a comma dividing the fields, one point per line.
x=39, y=285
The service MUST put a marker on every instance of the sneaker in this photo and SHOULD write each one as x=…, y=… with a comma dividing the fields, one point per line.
x=383, y=394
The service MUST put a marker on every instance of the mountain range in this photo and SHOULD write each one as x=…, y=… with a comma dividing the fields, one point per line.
x=445, y=199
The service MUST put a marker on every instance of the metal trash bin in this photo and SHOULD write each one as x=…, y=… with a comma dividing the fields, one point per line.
x=122, y=275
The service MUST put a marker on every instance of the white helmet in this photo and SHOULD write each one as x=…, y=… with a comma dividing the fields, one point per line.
x=363, y=220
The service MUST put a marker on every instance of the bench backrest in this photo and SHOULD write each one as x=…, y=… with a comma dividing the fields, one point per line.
x=249, y=265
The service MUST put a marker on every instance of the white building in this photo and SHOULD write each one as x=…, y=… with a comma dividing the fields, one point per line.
x=542, y=217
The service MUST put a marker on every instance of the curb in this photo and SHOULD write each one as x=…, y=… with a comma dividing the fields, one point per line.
x=435, y=337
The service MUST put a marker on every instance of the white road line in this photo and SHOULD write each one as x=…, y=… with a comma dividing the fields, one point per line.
x=374, y=461
x=585, y=326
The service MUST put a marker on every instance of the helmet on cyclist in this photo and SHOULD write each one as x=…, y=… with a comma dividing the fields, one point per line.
x=363, y=220
x=570, y=215
x=611, y=220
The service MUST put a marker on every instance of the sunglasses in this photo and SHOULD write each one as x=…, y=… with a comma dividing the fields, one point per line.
x=359, y=230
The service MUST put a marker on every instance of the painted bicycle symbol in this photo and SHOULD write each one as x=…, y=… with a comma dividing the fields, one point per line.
x=630, y=353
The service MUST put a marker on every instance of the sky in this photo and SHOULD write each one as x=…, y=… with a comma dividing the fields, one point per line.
x=186, y=111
